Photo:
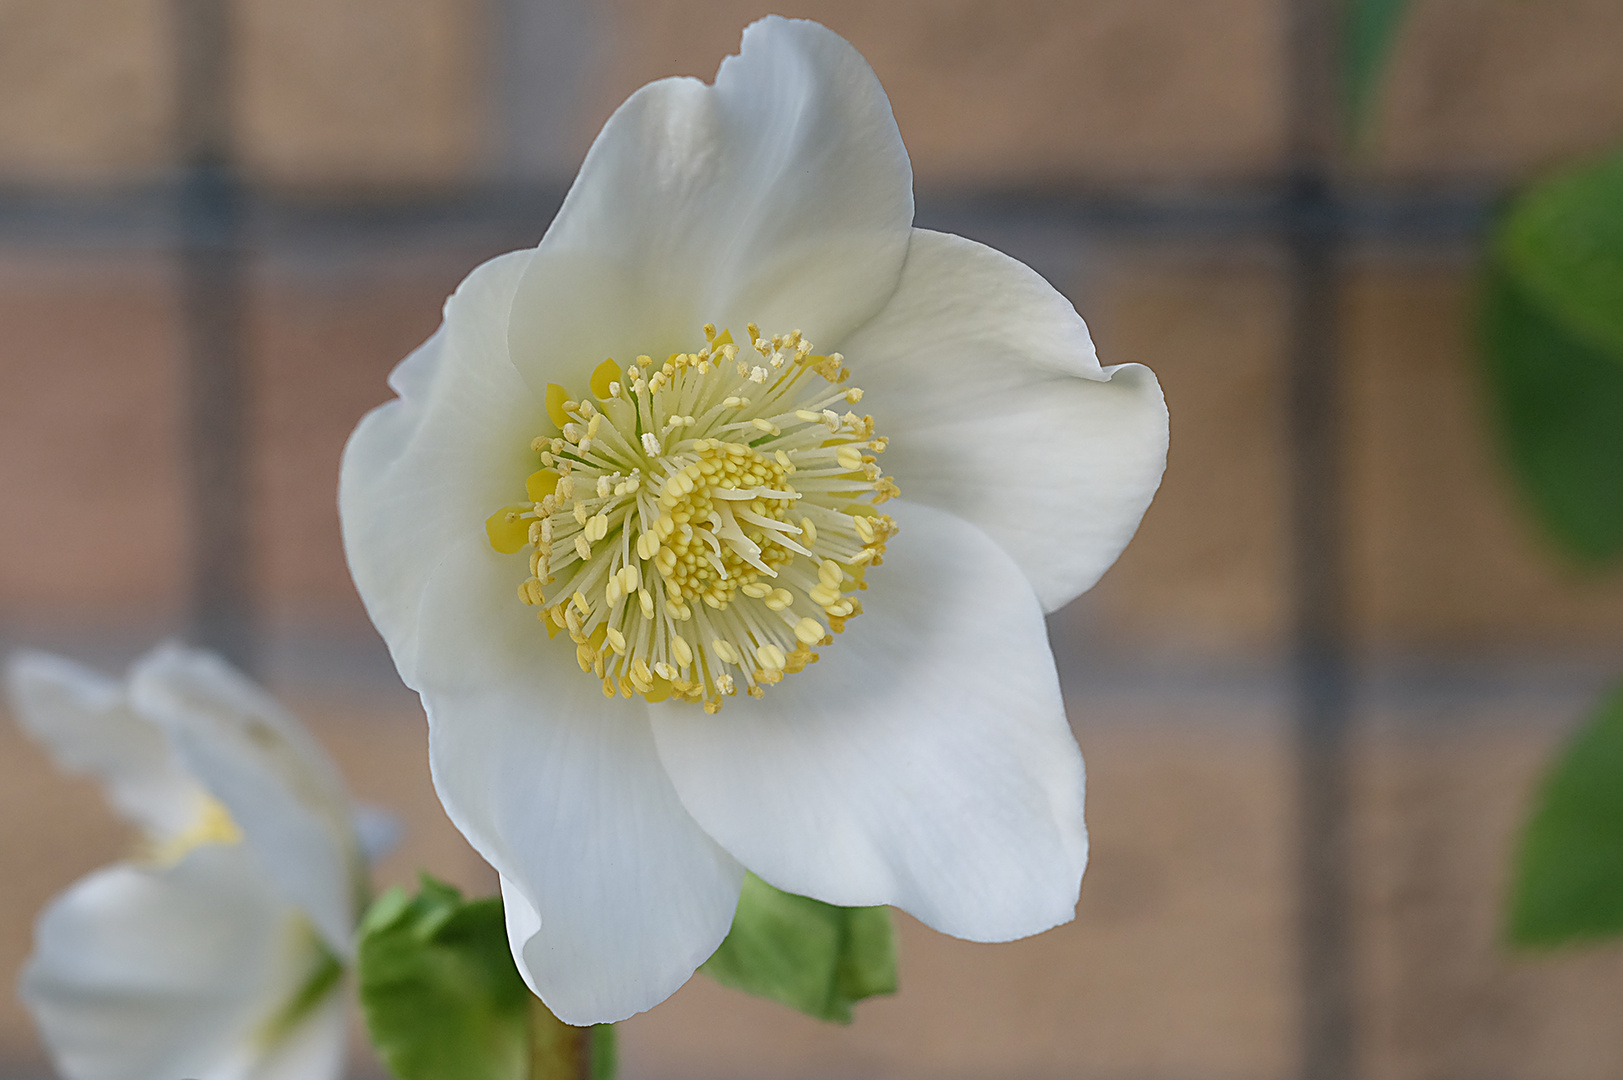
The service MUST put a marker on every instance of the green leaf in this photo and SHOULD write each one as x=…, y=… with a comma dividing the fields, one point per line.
x=811, y=956
x=1558, y=401
x=1369, y=33
x=439, y=990
x=1569, y=878
x=1563, y=243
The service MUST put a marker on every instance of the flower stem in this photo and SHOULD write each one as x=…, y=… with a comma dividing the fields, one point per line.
x=560, y=1051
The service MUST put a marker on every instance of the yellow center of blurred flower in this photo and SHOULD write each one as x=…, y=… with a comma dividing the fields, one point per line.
x=212, y=825
x=706, y=521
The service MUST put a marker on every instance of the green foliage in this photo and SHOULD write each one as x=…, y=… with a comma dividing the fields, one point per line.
x=443, y=999
x=811, y=956
x=1558, y=400
x=1553, y=337
x=1370, y=31
x=1563, y=244
x=1569, y=881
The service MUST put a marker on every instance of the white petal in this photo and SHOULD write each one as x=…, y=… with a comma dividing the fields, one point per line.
x=782, y=194
x=84, y=719
x=140, y=973
x=314, y=1050
x=614, y=896
x=986, y=381
x=279, y=785
x=427, y=469
x=924, y=762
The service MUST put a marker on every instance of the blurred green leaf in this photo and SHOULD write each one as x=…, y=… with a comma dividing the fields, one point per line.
x=811, y=956
x=1569, y=877
x=1558, y=401
x=1369, y=34
x=1563, y=244
x=439, y=990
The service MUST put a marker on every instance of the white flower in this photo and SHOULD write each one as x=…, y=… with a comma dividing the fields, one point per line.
x=217, y=953
x=698, y=523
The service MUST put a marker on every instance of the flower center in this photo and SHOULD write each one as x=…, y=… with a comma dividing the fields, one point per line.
x=706, y=521
x=212, y=825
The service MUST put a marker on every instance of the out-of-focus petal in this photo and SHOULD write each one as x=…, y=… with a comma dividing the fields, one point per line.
x=924, y=762
x=614, y=895
x=280, y=787
x=140, y=973
x=782, y=194
x=986, y=381
x=423, y=471
x=313, y=1050
x=84, y=719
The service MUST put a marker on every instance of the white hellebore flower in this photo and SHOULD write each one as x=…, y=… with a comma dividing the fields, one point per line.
x=704, y=515
x=218, y=952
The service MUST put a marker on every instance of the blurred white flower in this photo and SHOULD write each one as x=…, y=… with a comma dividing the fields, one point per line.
x=218, y=951
x=700, y=512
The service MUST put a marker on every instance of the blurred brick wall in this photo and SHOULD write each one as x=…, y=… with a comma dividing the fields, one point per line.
x=1180, y=963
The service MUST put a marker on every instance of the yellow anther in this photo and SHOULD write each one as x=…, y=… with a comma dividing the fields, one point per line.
x=725, y=651
x=771, y=657
x=780, y=599
x=645, y=601
x=849, y=457
x=580, y=603
x=681, y=650
x=809, y=532
x=830, y=574
x=617, y=641
x=757, y=590
x=766, y=425
x=582, y=548
x=810, y=631
x=864, y=527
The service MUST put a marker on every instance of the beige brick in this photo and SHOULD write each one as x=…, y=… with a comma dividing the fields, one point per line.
x=1024, y=91
x=323, y=344
x=1482, y=88
x=1207, y=569
x=84, y=89
x=1444, y=555
x=1438, y=813
x=361, y=92
x=90, y=440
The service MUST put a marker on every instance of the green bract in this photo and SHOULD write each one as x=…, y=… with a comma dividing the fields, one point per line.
x=809, y=955
x=444, y=1001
